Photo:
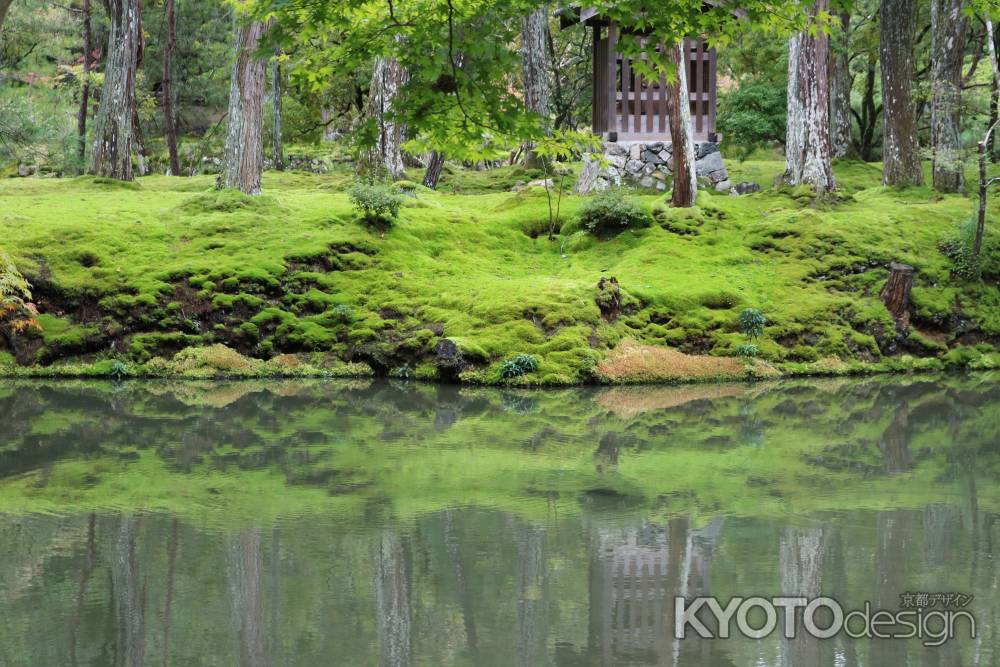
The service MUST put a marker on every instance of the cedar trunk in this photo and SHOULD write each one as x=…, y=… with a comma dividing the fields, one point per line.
x=896, y=293
x=948, y=28
x=386, y=157
x=244, y=153
x=535, y=58
x=88, y=66
x=169, y=113
x=278, y=147
x=685, y=174
x=901, y=149
x=435, y=165
x=114, y=138
x=807, y=147
x=840, y=88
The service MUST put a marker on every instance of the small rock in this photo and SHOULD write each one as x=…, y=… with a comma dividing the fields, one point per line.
x=655, y=147
x=705, y=148
x=634, y=166
x=650, y=157
x=616, y=160
x=719, y=176
x=664, y=155
x=647, y=182
x=746, y=187
x=616, y=149
x=710, y=163
x=723, y=186
x=661, y=186
x=635, y=152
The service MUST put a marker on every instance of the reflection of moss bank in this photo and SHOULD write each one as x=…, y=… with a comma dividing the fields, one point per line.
x=141, y=273
x=226, y=451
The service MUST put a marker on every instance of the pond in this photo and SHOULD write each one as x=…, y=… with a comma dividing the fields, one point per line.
x=378, y=523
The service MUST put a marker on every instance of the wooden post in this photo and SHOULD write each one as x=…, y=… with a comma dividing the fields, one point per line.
x=896, y=293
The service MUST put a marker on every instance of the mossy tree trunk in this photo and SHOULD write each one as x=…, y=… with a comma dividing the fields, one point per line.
x=948, y=29
x=536, y=65
x=685, y=189
x=276, y=91
x=386, y=156
x=901, y=149
x=169, y=112
x=840, y=87
x=114, y=135
x=807, y=146
x=243, y=160
x=88, y=66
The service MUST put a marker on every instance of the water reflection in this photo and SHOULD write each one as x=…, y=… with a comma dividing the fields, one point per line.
x=373, y=524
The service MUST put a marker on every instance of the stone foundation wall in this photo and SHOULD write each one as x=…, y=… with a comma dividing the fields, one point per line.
x=649, y=165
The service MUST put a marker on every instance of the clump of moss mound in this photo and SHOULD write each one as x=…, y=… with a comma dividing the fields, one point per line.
x=137, y=275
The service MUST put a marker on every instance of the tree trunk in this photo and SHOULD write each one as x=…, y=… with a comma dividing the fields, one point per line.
x=140, y=144
x=4, y=6
x=129, y=595
x=840, y=88
x=435, y=165
x=896, y=293
x=88, y=65
x=948, y=27
x=685, y=189
x=535, y=58
x=114, y=140
x=329, y=131
x=278, y=148
x=900, y=150
x=244, y=153
x=386, y=157
x=866, y=120
x=169, y=114
x=807, y=147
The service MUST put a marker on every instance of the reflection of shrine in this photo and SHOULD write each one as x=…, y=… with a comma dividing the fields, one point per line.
x=636, y=571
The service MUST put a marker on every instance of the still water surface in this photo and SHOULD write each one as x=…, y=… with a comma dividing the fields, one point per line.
x=371, y=523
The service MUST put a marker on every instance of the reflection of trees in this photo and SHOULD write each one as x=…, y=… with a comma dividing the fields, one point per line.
x=801, y=555
x=129, y=592
x=391, y=566
x=531, y=616
x=244, y=565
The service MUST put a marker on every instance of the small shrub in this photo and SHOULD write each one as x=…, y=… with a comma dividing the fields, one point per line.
x=752, y=323
x=748, y=351
x=342, y=312
x=16, y=310
x=377, y=204
x=118, y=369
x=517, y=366
x=611, y=212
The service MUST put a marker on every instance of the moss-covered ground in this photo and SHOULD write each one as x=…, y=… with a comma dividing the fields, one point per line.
x=126, y=276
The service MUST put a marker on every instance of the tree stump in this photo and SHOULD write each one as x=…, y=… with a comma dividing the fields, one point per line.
x=896, y=293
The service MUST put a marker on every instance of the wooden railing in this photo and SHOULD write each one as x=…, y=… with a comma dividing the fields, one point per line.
x=634, y=107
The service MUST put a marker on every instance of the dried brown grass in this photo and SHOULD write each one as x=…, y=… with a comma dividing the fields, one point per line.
x=635, y=362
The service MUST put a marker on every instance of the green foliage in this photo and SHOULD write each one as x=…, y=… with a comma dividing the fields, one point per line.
x=753, y=116
x=342, y=312
x=517, y=366
x=611, y=212
x=752, y=323
x=958, y=246
x=747, y=350
x=377, y=203
x=16, y=310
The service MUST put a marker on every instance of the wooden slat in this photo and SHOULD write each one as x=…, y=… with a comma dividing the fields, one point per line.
x=713, y=64
x=663, y=104
x=626, y=88
x=610, y=83
x=697, y=85
x=637, y=97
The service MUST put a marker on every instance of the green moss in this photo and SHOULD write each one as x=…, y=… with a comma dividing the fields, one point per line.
x=173, y=264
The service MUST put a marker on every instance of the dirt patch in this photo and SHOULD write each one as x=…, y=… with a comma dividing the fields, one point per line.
x=634, y=362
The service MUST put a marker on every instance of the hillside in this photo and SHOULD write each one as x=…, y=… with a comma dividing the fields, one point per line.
x=127, y=275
